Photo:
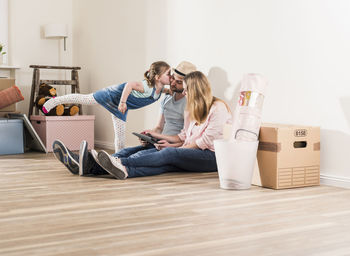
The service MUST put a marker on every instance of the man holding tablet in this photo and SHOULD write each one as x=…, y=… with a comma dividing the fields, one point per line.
x=170, y=122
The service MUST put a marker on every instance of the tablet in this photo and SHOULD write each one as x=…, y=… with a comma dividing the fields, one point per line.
x=147, y=138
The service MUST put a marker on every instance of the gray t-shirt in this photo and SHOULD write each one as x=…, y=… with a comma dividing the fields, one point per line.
x=173, y=111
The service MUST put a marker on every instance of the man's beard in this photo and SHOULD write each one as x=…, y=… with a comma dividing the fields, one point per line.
x=178, y=90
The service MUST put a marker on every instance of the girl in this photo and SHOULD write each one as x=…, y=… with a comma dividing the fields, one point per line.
x=117, y=99
x=205, y=118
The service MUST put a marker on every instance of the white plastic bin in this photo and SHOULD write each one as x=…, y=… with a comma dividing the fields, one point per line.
x=236, y=161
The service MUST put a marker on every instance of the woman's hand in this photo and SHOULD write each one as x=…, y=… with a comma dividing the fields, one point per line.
x=192, y=145
x=162, y=144
x=122, y=107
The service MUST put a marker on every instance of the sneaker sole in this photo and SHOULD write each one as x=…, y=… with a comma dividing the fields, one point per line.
x=65, y=158
x=106, y=163
x=82, y=157
x=97, y=161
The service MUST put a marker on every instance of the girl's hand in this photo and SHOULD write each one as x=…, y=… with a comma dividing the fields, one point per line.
x=167, y=91
x=122, y=107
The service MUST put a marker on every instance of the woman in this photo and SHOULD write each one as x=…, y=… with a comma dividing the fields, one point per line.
x=205, y=118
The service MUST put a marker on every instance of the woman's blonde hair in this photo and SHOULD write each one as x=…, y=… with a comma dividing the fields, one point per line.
x=199, y=96
x=157, y=68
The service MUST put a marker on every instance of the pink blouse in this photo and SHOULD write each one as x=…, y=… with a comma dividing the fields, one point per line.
x=212, y=129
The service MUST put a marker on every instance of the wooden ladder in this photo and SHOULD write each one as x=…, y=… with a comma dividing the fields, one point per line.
x=74, y=82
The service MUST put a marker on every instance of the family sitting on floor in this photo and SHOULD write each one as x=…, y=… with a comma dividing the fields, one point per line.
x=191, y=119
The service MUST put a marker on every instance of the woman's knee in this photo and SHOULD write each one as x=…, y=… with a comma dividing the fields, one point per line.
x=168, y=154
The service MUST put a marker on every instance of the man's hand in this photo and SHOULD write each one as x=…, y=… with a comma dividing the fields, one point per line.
x=151, y=133
x=143, y=142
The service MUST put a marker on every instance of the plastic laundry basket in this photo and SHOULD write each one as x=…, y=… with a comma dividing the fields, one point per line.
x=236, y=161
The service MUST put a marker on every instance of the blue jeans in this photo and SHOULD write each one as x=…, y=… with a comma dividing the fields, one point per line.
x=134, y=151
x=153, y=162
x=130, y=152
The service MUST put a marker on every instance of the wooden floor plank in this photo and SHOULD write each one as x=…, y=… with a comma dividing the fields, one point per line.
x=45, y=210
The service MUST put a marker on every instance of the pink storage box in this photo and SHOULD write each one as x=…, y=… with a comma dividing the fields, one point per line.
x=71, y=130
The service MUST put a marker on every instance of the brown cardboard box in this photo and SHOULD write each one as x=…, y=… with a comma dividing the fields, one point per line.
x=4, y=84
x=289, y=156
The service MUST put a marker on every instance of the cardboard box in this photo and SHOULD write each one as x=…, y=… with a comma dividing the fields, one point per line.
x=11, y=136
x=4, y=84
x=71, y=130
x=289, y=156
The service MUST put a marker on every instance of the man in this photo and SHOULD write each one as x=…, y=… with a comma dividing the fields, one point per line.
x=171, y=122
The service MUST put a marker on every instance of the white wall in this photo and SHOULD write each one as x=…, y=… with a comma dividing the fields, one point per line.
x=301, y=46
x=4, y=27
x=110, y=45
x=27, y=44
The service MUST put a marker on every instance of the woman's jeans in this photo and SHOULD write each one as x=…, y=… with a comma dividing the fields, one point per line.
x=153, y=162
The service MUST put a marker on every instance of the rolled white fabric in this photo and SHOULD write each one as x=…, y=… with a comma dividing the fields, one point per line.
x=247, y=114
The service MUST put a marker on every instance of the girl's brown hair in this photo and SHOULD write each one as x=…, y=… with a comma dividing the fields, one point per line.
x=199, y=96
x=157, y=68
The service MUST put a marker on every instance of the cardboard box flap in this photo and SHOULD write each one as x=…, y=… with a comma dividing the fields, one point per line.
x=6, y=83
x=268, y=134
x=285, y=126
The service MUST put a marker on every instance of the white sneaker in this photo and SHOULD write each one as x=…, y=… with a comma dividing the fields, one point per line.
x=111, y=165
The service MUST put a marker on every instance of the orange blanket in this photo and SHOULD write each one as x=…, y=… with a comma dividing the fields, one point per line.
x=9, y=96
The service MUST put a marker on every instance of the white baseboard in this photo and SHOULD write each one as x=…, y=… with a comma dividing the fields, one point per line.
x=336, y=181
x=104, y=144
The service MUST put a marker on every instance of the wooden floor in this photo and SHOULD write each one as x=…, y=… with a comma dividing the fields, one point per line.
x=45, y=210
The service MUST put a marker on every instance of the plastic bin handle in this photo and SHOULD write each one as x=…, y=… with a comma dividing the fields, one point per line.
x=257, y=137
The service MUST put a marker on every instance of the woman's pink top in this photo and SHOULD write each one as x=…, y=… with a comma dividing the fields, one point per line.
x=212, y=129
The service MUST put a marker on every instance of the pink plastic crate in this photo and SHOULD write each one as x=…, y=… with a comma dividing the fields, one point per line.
x=71, y=130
